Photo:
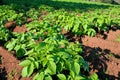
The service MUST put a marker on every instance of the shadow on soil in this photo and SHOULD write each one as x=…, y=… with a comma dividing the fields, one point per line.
x=116, y=56
x=104, y=35
x=3, y=74
x=97, y=59
x=2, y=43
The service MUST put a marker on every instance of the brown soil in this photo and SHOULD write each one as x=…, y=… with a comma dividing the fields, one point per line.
x=9, y=67
x=9, y=64
x=44, y=12
x=9, y=24
x=19, y=29
x=29, y=19
x=103, y=55
x=64, y=31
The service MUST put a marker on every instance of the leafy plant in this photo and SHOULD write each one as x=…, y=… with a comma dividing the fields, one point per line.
x=33, y=13
x=5, y=34
x=50, y=59
x=54, y=56
x=20, y=44
x=44, y=29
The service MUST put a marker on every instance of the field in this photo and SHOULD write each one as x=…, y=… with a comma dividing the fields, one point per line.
x=59, y=40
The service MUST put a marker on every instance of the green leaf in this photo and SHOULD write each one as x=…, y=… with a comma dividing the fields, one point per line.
x=60, y=66
x=30, y=69
x=50, y=57
x=69, y=77
x=72, y=73
x=65, y=55
x=24, y=71
x=10, y=45
x=32, y=59
x=51, y=69
x=76, y=68
x=68, y=64
x=41, y=45
x=45, y=61
x=39, y=76
x=91, y=32
x=36, y=64
x=20, y=52
x=17, y=47
x=94, y=77
x=36, y=77
x=80, y=78
x=85, y=66
x=29, y=52
x=49, y=47
x=22, y=37
x=48, y=77
x=61, y=76
x=25, y=63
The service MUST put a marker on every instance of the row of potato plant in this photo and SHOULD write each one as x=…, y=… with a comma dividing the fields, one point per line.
x=7, y=14
x=80, y=23
x=54, y=57
x=5, y=34
x=83, y=24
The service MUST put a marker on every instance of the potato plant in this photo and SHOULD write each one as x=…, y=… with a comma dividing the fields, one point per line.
x=5, y=34
x=43, y=29
x=54, y=57
x=20, y=43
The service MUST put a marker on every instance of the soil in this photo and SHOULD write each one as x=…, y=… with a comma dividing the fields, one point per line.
x=102, y=53
x=19, y=29
x=29, y=20
x=10, y=24
x=9, y=67
x=44, y=12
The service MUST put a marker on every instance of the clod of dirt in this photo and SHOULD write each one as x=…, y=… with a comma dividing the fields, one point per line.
x=76, y=38
x=44, y=12
x=46, y=33
x=29, y=19
x=20, y=29
x=40, y=40
x=79, y=14
x=9, y=24
x=40, y=19
x=64, y=31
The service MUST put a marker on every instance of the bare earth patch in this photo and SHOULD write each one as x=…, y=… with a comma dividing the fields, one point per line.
x=19, y=29
x=103, y=55
x=9, y=67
